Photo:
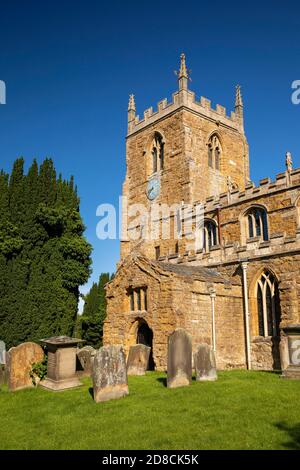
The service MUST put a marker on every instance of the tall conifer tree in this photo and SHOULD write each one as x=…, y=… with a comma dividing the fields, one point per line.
x=94, y=312
x=44, y=257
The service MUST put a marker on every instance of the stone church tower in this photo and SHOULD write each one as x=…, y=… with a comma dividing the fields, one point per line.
x=239, y=287
x=186, y=149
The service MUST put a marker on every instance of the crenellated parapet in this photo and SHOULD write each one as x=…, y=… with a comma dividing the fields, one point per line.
x=285, y=180
x=184, y=98
x=279, y=244
x=229, y=209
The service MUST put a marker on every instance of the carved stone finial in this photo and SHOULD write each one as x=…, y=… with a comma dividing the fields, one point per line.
x=131, y=112
x=131, y=105
x=183, y=74
x=231, y=185
x=239, y=106
x=238, y=97
x=288, y=161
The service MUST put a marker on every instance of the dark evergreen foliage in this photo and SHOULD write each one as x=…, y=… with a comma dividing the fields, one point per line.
x=44, y=257
x=94, y=312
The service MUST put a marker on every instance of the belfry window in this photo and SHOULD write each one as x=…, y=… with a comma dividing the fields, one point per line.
x=154, y=157
x=257, y=223
x=217, y=158
x=210, y=235
x=157, y=153
x=210, y=156
x=214, y=152
x=268, y=305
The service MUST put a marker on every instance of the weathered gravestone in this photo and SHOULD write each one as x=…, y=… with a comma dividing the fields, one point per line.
x=61, y=368
x=2, y=353
x=109, y=374
x=179, y=359
x=86, y=356
x=19, y=364
x=138, y=359
x=205, y=363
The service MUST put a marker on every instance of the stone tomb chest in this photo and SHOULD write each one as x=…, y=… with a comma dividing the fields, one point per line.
x=292, y=333
x=61, y=367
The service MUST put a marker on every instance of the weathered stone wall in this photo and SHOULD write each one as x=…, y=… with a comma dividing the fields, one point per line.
x=205, y=181
x=122, y=324
x=186, y=175
x=286, y=269
x=281, y=213
x=194, y=311
x=175, y=301
x=174, y=178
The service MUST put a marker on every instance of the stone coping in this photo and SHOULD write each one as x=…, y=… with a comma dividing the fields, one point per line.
x=62, y=341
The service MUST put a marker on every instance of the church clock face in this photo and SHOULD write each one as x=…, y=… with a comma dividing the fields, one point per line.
x=153, y=188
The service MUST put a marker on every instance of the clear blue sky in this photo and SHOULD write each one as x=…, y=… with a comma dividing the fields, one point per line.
x=69, y=67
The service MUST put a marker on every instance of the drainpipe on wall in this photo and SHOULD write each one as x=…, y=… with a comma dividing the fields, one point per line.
x=246, y=312
x=213, y=321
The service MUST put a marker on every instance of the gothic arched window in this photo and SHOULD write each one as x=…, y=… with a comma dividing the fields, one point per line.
x=157, y=153
x=257, y=223
x=214, y=152
x=210, y=234
x=268, y=305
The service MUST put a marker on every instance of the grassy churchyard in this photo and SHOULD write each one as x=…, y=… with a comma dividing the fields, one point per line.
x=242, y=410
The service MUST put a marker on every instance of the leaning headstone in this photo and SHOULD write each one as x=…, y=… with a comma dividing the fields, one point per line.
x=138, y=359
x=86, y=356
x=205, y=363
x=19, y=364
x=2, y=353
x=179, y=359
x=109, y=374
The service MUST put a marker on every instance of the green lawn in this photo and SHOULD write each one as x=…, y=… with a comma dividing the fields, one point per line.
x=242, y=410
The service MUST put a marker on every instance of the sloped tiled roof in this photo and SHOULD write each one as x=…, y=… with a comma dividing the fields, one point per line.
x=196, y=272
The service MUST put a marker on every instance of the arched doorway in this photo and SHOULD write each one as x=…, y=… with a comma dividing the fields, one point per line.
x=145, y=336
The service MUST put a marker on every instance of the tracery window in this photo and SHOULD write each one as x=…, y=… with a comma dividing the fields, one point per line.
x=210, y=234
x=268, y=305
x=257, y=223
x=157, y=153
x=214, y=152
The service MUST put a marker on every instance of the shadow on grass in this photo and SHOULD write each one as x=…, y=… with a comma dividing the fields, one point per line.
x=162, y=380
x=294, y=435
x=91, y=392
x=274, y=372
